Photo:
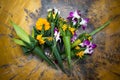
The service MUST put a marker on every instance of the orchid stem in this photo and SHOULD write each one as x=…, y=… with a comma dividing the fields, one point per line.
x=101, y=27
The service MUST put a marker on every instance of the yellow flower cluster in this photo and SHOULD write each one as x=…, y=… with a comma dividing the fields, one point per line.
x=77, y=47
x=62, y=19
x=72, y=30
x=39, y=38
x=42, y=23
x=89, y=37
x=64, y=27
x=50, y=38
x=80, y=54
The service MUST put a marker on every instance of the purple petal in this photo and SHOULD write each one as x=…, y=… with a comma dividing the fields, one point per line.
x=86, y=42
x=78, y=11
x=90, y=51
x=55, y=30
x=71, y=14
x=86, y=20
x=84, y=27
x=74, y=37
x=69, y=18
x=75, y=34
x=93, y=46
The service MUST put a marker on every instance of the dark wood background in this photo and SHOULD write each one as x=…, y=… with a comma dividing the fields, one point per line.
x=104, y=64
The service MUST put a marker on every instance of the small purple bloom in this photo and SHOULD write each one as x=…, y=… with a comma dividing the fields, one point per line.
x=83, y=27
x=55, y=30
x=89, y=46
x=85, y=43
x=71, y=14
x=74, y=37
x=93, y=45
x=84, y=22
x=57, y=34
x=78, y=12
x=74, y=16
x=88, y=51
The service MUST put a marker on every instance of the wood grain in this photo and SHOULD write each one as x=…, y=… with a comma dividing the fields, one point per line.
x=104, y=64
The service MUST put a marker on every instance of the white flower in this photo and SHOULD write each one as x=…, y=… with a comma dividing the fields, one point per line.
x=49, y=10
x=83, y=22
x=55, y=10
x=88, y=51
x=57, y=35
x=75, y=15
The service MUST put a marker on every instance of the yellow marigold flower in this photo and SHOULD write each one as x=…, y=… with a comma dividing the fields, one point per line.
x=64, y=27
x=42, y=22
x=42, y=41
x=39, y=38
x=50, y=38
x=77, y=47
x=72, y=30
x=80, y=54
x=89, y=38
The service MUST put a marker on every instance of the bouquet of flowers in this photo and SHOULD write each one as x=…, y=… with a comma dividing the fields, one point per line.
x=54, y=39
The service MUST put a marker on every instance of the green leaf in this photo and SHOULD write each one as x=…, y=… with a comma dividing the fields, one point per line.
x=20, y=42
x=25, y=50
x=21, y=33
x=52, y=29
x=38, y=51
x=101, y=27
x=33, y=33
x=58, y=57
x=77, y=42
x=66, y=40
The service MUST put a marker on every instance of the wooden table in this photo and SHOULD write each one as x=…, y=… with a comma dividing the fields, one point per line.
x=104, y=64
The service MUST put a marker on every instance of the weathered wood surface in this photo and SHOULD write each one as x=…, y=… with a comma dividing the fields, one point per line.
x=104, y=64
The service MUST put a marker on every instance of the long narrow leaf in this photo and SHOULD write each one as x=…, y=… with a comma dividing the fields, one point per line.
x=52, y=29
x=21, y=33
x=66, y=40
x=58, y=57
x=38, y=51
x=20, y=42
x=33, y=33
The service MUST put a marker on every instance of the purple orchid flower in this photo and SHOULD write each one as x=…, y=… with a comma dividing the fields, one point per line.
x=57, y=34
x=74, y=37
x=85, y=43
x=89, y=46
x=84, y=22
x=74, y=16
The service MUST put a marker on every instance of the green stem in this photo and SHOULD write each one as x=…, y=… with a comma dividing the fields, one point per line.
x=101, y=27
x=52, y=29
x=78, y=41
x=57, y=56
